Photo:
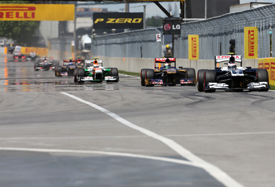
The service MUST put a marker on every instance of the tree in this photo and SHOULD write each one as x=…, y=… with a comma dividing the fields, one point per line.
x=19, y=31
x=154, y=21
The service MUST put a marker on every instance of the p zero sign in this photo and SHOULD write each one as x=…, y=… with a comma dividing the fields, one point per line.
x=171, y=26
x=193, y=43
x=250, y=42
x=35, y=12
x=118, y=20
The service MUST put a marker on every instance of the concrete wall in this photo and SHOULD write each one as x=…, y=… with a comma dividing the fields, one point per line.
x=136, y=64
x=2, y=49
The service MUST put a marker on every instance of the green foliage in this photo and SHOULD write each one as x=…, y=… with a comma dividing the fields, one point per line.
x=154, y=21
x=19, y=31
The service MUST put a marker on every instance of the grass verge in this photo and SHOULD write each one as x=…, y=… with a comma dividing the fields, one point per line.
x=272, y=87
x=129, y=73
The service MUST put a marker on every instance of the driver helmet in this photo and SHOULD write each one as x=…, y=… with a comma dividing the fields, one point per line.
x=167, y=65
x=232, y=66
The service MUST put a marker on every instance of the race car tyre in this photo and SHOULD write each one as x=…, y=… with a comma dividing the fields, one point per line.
x=114, y=72
x=35, y=65
x=80, y=74
x=149, y=74
x=142, y=76
x=58, y=69
x=190, y=72
x=209, y=76
x=262, y=77
x=200, y=77
x=75, y=75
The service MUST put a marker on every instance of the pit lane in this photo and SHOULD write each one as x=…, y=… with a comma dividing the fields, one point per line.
x=233, y=131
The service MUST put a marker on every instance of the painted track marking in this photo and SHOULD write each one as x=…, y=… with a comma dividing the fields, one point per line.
x=211, y=169
x=172, y=160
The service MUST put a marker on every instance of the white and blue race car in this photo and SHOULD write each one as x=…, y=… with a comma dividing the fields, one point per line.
x=231, y=77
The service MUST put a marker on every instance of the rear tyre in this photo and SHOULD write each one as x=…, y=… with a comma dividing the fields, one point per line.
x=210, y=76
x=58, y=69
x=190, y=73
x=200, y=77
x=75, y=75
x=35, y=65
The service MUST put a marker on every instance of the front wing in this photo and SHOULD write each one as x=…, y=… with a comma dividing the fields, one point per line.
x=187, y=81
x=253, y=86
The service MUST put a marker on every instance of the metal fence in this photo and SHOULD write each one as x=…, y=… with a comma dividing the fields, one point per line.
x=139, y=44
x=214, y=36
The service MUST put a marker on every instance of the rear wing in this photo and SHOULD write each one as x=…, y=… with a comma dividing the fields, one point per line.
x=225, y=58
x=161, y=61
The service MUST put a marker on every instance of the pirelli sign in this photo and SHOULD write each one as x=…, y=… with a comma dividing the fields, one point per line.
x=251, y=42
x=118, y=20
x=36, y=12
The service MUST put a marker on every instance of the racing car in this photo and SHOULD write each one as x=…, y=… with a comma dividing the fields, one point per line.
x=68, y=67
x=165, y=73
x=32, y=57
x=231, y=77
x=18, y=56
x=45, y=64
x=93, y=71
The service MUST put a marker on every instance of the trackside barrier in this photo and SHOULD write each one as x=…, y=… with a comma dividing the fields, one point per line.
x=38, y=50
x=269, y=65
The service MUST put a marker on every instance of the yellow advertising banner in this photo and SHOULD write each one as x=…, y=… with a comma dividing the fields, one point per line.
x=269, y=65
x=36, y=12
x=193, y=47
x=251, y=42
x=38, y=50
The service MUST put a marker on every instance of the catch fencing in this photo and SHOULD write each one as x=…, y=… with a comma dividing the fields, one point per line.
x=214, y=36
x=215, y=33
x=136, y=44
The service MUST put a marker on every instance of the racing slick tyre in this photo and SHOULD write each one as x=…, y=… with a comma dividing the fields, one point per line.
x=142, y=76
x=209, y=76
x=262, y=77
x=200, y=77
x=149, y=74
x=80, y=74
x=114, y=73
x=58, y=69
x=190, y=72
x=75, y=75
x=35, y=65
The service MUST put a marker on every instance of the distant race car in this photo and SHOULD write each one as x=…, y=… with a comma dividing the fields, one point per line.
x=32, y=57
x=68, y=67
x=45, y=64
x=93, y=71
x=166, y=73
x=18, y=56
x=231, y=77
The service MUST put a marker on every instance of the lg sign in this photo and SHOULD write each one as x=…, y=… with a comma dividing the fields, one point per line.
x=171, y=26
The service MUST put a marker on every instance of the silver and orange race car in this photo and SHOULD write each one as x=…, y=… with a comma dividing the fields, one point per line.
x=166, y=73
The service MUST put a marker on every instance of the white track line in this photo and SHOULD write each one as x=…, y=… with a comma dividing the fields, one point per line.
x=211, y=169
x=172, y=160
x=140, y=136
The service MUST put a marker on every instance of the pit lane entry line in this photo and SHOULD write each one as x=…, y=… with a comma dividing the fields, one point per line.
x=211, y=169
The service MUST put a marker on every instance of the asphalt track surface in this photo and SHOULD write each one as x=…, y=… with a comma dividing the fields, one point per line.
x=54, y=133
